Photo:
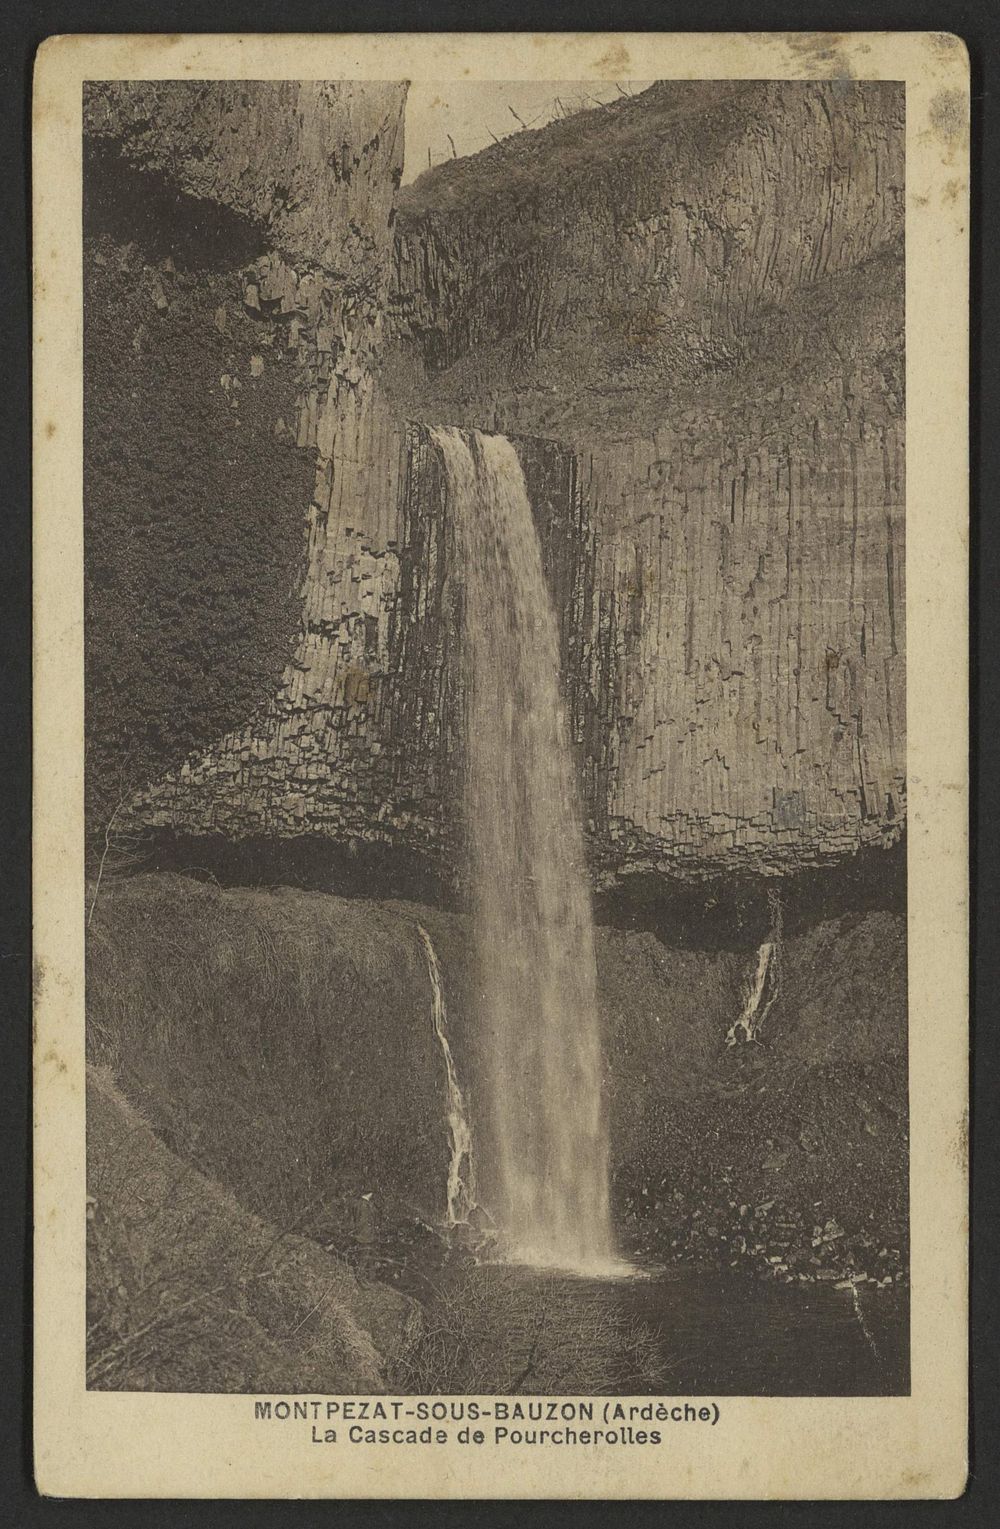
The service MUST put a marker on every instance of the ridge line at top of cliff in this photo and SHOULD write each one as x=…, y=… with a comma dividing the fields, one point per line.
x=607, y=128
x=532, y=157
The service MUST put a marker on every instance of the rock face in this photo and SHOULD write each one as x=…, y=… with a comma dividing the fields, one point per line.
x=315, y=163
x=686, y=310
x=721, y=259
x=700, y=291
x=194, y=508
x=743, y=652
x=238, y=253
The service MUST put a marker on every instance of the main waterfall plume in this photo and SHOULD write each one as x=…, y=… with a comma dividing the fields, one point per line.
x=530, y=902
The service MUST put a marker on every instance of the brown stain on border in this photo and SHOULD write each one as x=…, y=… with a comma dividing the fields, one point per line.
x=961, y=1145
x=823, y=53
x=616, y=60
x=949, y=116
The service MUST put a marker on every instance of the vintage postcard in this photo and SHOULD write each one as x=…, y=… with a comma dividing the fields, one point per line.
x=501, y=787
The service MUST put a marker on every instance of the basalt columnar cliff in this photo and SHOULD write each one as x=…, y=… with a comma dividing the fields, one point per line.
x=686, y=310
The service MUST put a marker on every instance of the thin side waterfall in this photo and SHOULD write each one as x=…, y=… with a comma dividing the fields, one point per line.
x=752, y=1015
x=530, y=901
x=761, y=991
x=461, y=1177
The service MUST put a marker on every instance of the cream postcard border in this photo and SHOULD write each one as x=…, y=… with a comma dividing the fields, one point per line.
x=153, y=1445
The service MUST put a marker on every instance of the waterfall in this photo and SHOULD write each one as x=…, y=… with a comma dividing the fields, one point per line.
x=751, y=1015
x=530, y=903
x=765, y=980
x=461, y=1180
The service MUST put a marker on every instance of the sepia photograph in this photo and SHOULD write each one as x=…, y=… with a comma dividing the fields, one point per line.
x=514, y=984
x=496, y=736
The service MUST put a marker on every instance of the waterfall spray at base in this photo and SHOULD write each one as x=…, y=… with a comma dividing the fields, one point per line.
x=461, y=1176
x=530, y=900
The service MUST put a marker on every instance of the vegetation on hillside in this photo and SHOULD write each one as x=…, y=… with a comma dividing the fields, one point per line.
x=279, y=1046
x=188, y=1291
x=529, y=162
x=194, y=516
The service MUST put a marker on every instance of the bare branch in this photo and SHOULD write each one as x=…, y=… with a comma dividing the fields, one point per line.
x=107, y=847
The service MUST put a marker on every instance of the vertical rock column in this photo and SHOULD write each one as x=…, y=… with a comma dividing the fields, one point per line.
x=745, y=654
x=319, y=164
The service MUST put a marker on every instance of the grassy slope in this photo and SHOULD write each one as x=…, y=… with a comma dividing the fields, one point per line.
x=533, y=165
x=187, y=1291
x=280, y=1041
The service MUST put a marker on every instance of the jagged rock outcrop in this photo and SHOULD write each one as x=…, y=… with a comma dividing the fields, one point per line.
x=238, y=252
x=695, y=255
x=314, y=162
x=315, y=165
x=687, y=311
x=700, y=292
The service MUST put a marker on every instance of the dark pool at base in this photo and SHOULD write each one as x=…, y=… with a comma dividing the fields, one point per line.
x=736, y=1336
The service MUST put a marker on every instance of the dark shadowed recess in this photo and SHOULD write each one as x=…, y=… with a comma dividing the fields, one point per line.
x=311, y=862
x=733, y=912
x=721, y=913
x=194, y=501
x=129, y=205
